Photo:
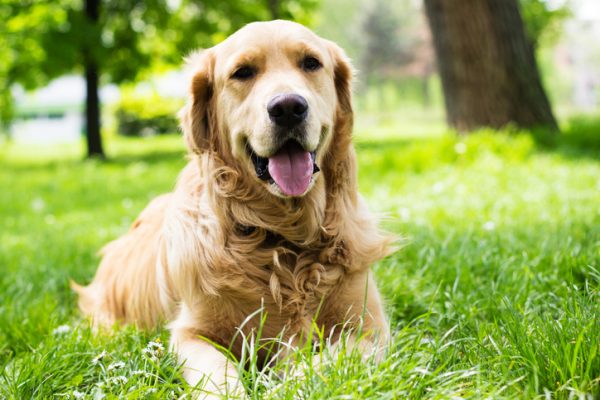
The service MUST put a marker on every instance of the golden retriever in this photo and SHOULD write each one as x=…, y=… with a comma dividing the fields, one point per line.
x=266, y=215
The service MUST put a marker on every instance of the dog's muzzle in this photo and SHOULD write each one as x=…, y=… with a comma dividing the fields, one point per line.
x=291, y=168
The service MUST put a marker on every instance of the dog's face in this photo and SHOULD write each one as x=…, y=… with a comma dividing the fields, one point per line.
x=271, y=91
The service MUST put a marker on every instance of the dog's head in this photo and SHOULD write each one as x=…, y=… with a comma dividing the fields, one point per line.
x=267, y=99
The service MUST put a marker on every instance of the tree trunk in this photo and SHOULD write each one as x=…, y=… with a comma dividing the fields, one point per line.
x=274, y=8
x=92, y=100
x=487, y=65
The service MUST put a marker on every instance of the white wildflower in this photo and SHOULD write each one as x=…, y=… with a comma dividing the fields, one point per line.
x=127, y=203
x=438, y=187
x=99, y=394
x=150, y=354
x=489, y=226
x=460, y=148
x=404, y=213
x=78, y=395
x=59, y=330
x=118, y=380
x=38, y=204
x=154, y=350
x=155, y=345
x=116, y=365
x=140, y=372
x=99, y=357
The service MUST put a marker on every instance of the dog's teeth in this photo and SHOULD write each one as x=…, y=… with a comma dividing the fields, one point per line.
x=263, y=174
x=313, y=155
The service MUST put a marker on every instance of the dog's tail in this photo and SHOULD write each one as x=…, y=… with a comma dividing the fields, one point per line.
x=88, y=303
x=84, y=298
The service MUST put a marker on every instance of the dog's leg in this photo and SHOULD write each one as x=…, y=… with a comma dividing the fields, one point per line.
x=354, y=321
x=357, y=311
x=204, y=366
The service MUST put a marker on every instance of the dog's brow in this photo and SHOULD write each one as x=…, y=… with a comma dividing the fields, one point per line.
x=245, y=58
x=307, y=49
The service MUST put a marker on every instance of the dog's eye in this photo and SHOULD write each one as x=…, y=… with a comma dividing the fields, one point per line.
x=244, y=73
x=310, y=64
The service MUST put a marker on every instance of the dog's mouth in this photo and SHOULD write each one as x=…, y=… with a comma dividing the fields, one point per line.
x=291, y=168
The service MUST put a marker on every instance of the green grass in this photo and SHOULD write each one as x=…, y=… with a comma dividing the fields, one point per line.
x=495, y=293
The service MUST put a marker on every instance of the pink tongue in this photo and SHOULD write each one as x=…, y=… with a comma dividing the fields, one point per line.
x=291, y=168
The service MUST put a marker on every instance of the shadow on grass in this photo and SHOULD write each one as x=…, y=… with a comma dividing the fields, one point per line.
x=387, y=143
x=122, y=159
x=151, y=157
x=579, y=139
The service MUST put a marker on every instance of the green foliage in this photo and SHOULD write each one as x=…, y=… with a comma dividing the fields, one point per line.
x=41, y=40
x=388, y=43
x=495, y=293
x=396, y=96
x=147, y=114
x=44, y=40
x=582, y=134
x=21, y=51
x=543, y=19
x=393, y=37
x=337, y=20
x=383, y=41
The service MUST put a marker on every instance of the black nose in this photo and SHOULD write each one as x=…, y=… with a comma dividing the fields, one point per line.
x=287, y=110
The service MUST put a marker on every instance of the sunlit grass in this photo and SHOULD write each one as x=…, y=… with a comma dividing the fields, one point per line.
x=495, y=293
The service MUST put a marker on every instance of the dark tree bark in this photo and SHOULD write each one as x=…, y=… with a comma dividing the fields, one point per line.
x=274, y=8
x=487, y=65
x=92, y=101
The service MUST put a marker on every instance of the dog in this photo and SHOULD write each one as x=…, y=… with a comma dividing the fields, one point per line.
x=266, y=215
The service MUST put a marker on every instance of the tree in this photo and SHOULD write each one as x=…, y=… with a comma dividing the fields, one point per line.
x=273, y=8
x=112, y=41
x=487, y=65
x=384, y=45
x=102, y=39
x=543, y=19
x=92, y=100
x=397, y=44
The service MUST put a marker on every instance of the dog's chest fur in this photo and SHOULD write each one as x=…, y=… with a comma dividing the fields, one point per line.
x=281, y=295
x=245, y=263
x=292, y=280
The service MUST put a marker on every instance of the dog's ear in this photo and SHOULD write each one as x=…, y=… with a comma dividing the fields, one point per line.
x=343, y=74
x=194, y=116
x=340, y=167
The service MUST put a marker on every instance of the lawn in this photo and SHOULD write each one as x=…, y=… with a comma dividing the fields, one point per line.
x=494, y=294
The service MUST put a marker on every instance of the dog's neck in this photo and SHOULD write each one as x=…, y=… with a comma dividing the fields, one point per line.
x=329, y=219
x=246, y=206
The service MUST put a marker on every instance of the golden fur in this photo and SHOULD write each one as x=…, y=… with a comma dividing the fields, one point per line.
x=223, y=244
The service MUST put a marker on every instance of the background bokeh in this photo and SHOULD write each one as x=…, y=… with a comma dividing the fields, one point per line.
x=139, y=49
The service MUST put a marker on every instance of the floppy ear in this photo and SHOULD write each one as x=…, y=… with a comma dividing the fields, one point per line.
x=194, y=116
x=340, y=162
x=343, y=74
x=355, y=239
